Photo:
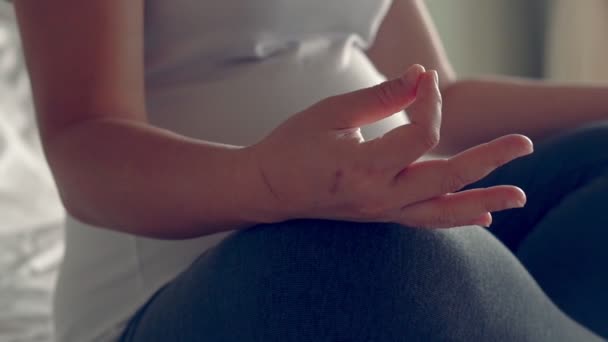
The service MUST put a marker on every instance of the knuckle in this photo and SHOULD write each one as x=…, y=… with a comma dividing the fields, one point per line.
x=444, y=217
x=429, y=138
x=385, y=93
x=367, y=201
x=453, y=182
x=434, y=96
x=434, y=102
x=438, y=99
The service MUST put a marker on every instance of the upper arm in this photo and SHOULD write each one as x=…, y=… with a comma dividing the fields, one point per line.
x=85, y=59
x=408, y=36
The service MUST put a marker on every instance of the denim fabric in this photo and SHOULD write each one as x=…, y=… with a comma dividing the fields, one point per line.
x=561, y=236
x=318, y=280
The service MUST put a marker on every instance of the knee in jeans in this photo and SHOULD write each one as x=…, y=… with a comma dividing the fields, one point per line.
x=365, y=282
x=355, y=265
x=582, y=145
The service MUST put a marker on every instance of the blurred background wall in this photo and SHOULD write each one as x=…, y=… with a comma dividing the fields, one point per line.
x=564, y=40
x=493, y=36
x=577, y=40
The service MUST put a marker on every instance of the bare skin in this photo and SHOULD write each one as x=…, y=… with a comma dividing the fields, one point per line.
x=376, y=180
x=104, y=153
x=493, y=105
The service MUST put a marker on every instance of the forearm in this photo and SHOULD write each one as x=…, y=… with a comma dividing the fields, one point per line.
x=132, y=177
x=478, y=110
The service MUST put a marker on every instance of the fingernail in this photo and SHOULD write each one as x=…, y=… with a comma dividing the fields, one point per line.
x=531, y=147
x=411, y=77
x=516, y=203
x=413, y=74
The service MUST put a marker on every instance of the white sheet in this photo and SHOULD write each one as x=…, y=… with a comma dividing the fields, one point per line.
x=31, y=216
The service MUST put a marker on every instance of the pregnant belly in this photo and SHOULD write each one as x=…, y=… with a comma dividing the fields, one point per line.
x=247, y=100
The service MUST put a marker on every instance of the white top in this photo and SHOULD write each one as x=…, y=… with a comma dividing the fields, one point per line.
x=226, y=71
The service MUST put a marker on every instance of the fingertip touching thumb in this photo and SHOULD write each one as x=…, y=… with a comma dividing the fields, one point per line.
x=368, y=105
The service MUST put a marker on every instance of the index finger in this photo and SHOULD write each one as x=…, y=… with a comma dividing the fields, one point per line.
x=407, y=143
x=368, y=105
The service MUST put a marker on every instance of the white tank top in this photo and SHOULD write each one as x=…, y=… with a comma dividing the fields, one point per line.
x=226, y=71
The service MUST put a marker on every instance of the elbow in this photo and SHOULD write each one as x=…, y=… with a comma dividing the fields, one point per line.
x=79, y=211
x=82, y=203
x=80, y=183
x=88, y=207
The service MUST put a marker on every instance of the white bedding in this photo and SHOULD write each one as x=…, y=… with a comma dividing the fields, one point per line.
x=31, y=216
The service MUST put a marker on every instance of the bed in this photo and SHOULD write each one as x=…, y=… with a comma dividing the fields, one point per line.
x=31, y=216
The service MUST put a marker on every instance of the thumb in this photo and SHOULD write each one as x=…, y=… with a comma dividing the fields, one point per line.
x=368, y=105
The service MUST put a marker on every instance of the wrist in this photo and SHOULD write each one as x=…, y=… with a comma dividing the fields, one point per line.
x=259, y=203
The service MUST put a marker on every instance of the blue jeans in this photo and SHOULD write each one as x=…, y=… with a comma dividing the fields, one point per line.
x=539, y=274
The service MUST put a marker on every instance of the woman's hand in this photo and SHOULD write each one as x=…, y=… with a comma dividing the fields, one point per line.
x=317, y=164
